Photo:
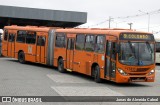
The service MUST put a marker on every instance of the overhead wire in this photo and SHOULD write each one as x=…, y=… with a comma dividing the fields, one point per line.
x=127, y=17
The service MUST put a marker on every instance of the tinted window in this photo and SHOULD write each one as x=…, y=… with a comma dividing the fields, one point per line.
x=100, y=44
x=90, y=43
x=113, y=50
x=80, y=40
x=70, y=44
x=11, y=38
x=5, y=35
x=31, y=37
x=41, y=41
x=21, y=36
x=60, y=40
x=157, y=46
x=108, y=48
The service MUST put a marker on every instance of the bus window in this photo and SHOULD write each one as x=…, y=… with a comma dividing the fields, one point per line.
x=80, y=39
x=31, y=37
x=90, y=42
x=11, y=38
x=108, y=48
x=21, y=36
x=157, y=46
x=41, y=41
x=111, y=48
x=5, y=35
x=140, y=52
x=114, y=50
x=100, y=44
x=70, y=44
x=60, y=40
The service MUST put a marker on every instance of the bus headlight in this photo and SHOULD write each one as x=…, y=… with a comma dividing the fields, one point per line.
x=151, y=72
x=122, y=72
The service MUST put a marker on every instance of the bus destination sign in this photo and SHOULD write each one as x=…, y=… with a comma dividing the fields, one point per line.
x=131, y=36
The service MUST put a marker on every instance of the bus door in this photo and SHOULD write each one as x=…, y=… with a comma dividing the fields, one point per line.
x=11, y=45
x=79, y=54
x=110, y=64
x=70, y=51
x=100, y=50
x=41, y=51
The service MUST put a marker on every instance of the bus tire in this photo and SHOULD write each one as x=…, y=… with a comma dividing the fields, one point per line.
x=97, y=74
x=21, y=57
x=61, y=65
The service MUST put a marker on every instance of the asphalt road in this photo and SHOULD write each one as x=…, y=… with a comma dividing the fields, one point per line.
x=39, y=80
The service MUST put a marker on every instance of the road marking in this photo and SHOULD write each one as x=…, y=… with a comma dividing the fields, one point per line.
x=63, y=78
x=73, y=90
x=85, y=91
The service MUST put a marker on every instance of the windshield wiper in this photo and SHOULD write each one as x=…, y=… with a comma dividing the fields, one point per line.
x=149, y=47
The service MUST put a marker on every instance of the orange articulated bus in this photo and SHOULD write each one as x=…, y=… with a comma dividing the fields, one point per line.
x=118, y=55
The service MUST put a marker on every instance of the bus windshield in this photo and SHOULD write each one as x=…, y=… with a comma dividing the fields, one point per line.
x=136, y=53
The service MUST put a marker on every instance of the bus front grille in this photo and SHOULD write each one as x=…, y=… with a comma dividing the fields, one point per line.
x=137, y=73
x=142, y=69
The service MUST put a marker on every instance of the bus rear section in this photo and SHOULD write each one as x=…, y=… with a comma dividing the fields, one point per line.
x=28, y=44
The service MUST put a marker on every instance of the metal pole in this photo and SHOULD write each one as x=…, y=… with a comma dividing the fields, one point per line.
x=109, y=22
x=148, y=21
x=148, y=18
x=130, y=25
x=110, y=19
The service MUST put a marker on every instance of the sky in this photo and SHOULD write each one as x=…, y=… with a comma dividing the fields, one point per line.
x=121, y=12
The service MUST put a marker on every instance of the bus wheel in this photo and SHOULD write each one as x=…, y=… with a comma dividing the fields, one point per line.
x=97, y=74
x=21, y=57
x=61, y=65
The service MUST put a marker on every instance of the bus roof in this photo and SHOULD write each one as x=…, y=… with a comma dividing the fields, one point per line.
x=114, y=31
x=31, y=28
x=99, y=31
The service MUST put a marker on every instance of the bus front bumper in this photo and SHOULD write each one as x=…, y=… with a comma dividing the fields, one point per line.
x=135, y=78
